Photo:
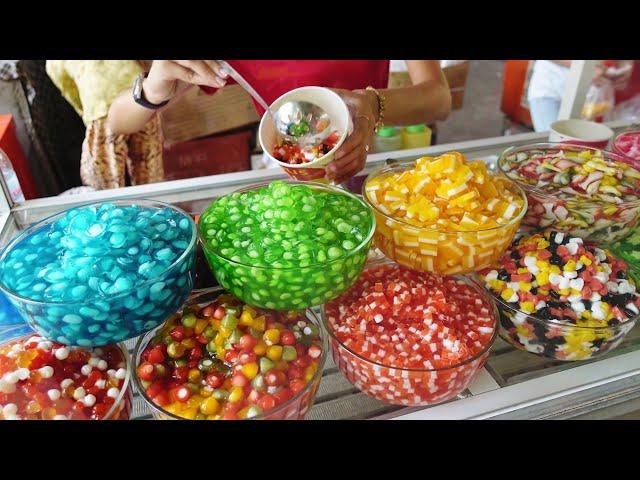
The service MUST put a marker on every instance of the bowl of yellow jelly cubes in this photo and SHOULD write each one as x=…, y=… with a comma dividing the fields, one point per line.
x=444, y=214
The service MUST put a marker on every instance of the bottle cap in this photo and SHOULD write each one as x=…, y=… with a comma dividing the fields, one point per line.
x=416, y=128
x=387, y=131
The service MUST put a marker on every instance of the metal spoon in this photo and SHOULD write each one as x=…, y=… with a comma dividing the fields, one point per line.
x=298, y=122
x=303, y=122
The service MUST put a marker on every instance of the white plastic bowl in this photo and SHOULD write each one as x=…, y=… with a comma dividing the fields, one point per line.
x=331, y=103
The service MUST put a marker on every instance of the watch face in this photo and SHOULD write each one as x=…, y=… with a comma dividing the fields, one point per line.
x=137, y=87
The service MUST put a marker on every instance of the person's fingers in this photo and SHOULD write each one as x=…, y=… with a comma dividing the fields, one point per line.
x=218, y=69
x=351, y=143
x=351, y=169
x=203, y=74
x=178, y=72
x=357, y=137
x=337, y=164
x=348, y=165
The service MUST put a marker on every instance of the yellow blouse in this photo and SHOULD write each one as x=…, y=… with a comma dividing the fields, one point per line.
x=90, y=86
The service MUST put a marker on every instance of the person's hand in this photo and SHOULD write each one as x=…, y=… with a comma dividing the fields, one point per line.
x=598, y=76
x=166, y=77
x=620, y=78
x=350, y=158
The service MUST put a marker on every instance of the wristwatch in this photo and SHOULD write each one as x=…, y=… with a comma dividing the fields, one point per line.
x=138, y=94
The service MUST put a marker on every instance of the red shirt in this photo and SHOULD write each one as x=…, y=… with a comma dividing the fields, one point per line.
x=272, y=78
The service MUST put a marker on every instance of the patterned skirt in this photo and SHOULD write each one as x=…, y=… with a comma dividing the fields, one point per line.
x=107, y=158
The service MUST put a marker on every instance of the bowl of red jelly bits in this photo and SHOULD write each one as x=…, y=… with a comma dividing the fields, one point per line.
x=444, y=214
x=221, y=359
x=410, y=338
x=308, y=163
x=42, y=379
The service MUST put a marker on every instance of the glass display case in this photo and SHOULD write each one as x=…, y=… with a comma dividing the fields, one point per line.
x=512, y=385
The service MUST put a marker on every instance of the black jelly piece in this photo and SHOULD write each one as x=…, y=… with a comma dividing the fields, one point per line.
x=503, y=275
x=540, y=330
x=544, y=313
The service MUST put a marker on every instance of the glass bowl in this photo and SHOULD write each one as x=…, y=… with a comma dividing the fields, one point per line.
x=628, y=249
x=293, y=288
x=101, y=320
x=622, y=144
x=440, y=251
x=558, y=340
x=9, y=316
x=294, y=408
x=409, y=386
x=119, y=409
x=591, y=219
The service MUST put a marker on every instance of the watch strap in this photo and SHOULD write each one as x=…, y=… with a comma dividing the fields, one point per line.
x=138, y=94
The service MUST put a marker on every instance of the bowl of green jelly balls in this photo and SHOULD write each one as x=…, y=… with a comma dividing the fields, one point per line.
x=101, y=273
x=287, y=244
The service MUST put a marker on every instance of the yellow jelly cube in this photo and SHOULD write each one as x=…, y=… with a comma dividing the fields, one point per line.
x=506, y=294
x=443, y=164
x=250, y=370
x=542, y=278
x=210, y=406
x=271, y=336
x=201, y=324
x=274, y=352
x=527, y=307
x=236, y=394
x=479, y=170
x=260, y=348
x=259, y=323
x=462, y=174
x=246, y=319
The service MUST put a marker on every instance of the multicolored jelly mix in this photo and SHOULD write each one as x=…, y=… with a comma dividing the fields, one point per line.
x=287, y=245
x=444, y=214
x=583, y=192
x=292, y=153
x=102, y=273
x=44, y=380
x=561, y=297
x=628, y=143
x=410, y=338
x=231, y=361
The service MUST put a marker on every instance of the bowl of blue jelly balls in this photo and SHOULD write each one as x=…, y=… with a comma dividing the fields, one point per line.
x=101, y=273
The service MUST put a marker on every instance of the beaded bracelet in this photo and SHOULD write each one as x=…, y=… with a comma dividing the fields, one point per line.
x=381, y=106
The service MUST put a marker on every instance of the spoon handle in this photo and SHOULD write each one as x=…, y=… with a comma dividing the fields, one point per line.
x=247, y=86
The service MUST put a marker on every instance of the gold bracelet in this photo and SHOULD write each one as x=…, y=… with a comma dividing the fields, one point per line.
x=381, y=106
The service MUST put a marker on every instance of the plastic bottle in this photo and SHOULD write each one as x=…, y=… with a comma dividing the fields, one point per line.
x=416, y=136
x=388, y=139
x=10, y=178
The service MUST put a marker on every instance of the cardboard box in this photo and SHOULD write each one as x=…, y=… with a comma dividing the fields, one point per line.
x=198, y=114
x=223, y=153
